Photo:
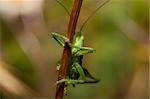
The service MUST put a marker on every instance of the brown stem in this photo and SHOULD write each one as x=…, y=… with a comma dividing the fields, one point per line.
x=67, y=50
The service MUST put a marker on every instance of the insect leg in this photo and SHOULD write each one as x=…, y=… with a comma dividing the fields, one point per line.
x=87, y=74
x=83, y=50
x=60, y=38
x=58, y=64
x=80, y=70
x=70, y=81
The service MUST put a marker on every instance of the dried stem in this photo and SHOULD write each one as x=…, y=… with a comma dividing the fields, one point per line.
x=67, y=50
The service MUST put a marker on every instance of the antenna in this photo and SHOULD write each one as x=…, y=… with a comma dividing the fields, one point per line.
x=105, y=2
x=62, y=5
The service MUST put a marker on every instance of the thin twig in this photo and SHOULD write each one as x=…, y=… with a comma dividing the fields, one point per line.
x=67, y=50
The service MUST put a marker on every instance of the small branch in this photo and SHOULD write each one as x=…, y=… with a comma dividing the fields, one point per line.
x=67, y=50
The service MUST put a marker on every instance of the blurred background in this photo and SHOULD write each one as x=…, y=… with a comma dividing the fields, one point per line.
x=28, y=54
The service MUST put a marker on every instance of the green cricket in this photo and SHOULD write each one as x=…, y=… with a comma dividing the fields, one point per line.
x=76, y=73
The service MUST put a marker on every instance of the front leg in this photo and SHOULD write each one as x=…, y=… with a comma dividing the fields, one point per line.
x=60, y=38
x=79, y=51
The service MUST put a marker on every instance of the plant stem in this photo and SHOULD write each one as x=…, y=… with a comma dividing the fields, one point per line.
x=67, y=50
